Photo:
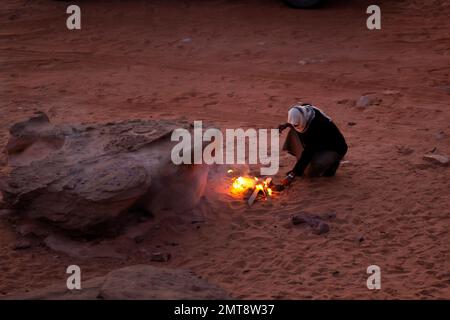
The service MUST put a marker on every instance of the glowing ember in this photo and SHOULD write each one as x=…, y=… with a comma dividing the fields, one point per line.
x=243, y=184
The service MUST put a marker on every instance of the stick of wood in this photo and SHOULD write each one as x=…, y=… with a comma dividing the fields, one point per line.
x=252, y=198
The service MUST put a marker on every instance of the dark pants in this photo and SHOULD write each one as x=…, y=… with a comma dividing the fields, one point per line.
x=323, y=163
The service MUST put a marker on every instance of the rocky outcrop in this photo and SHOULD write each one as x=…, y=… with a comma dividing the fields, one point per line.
x=146, y=282
x=140, y=282
x=79, y=177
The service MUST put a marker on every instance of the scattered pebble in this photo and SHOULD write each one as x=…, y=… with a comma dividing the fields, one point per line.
x=321, y=228
x=437, y=159
x=298, y=219
x=314, y=221
x=160, y=257
x=368, y=100
x=351, y=124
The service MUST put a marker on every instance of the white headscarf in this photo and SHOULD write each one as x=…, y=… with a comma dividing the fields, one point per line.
x=300, y=116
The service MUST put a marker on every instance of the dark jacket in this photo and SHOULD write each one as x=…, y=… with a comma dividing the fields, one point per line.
x=321, y=135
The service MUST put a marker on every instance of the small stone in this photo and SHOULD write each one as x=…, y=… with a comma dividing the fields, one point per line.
x=360, y=239
x=351, y=124
x=160, y=257
x=21, y=245
x=321, y=228
x=368, y=100
x=298, y=219
x=363, y=101
x=437, y=159
x=335, y=273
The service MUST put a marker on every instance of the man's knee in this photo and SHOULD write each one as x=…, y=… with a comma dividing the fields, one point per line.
x=313, y=170
x=323, y=163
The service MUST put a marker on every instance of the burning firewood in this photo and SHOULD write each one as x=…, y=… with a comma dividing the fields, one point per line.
x=257, y=186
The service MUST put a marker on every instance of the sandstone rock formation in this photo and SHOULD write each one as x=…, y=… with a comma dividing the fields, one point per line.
x=79, y=177
x=140, y=282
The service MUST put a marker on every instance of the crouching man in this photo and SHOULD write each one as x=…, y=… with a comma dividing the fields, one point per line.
x=314, y=140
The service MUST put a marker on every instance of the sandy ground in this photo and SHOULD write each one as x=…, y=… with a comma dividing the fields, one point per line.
x=242, y=63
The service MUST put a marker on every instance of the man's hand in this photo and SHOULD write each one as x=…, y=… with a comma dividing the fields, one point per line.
x=283, y=126
x=288, y=179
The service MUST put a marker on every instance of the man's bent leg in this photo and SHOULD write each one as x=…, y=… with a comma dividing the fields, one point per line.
x=324, y=163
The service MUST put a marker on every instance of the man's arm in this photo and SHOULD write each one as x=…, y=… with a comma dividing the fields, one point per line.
x=283, y=126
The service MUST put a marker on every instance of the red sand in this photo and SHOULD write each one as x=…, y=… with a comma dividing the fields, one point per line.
x=243, y=65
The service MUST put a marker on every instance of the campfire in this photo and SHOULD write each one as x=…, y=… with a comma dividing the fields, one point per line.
x=253, y=186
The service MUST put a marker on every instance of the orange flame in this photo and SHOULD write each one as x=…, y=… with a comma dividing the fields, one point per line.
x=242, y=184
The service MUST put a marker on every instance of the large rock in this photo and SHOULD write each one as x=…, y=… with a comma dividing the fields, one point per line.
x=141, y=282
x=78, y=177
x=147, y=282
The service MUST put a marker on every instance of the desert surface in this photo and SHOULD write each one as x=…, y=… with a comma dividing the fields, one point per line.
x=242, y=64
